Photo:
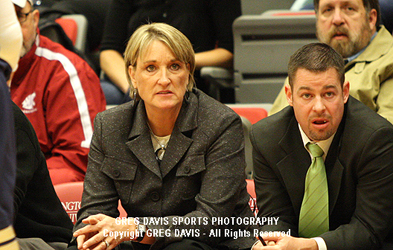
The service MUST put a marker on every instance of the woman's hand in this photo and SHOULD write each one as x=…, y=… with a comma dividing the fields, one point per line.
x=102, y=232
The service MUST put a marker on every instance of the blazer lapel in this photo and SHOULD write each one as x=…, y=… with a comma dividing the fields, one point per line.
x=139, y=141
x=293, y=167
x=181, y=139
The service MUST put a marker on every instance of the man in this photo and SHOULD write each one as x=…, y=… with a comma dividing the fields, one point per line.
x=355, y=177
x=60, y=95
x=352, y=28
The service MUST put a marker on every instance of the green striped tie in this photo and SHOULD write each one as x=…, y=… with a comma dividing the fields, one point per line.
x=314, y=213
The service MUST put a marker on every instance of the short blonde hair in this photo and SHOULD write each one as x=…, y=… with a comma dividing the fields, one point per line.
x=173, y=38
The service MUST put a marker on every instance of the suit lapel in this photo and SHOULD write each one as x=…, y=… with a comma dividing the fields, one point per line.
x=177, y=147
x=334, y=168
x=293, y=167
x=139, y=140
x=181, y=139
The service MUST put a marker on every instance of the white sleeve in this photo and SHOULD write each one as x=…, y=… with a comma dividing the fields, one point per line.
x=10, y=34
x=321, y=243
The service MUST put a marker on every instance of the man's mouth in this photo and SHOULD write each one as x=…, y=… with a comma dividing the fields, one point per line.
x=339, y=34
x=319, y=122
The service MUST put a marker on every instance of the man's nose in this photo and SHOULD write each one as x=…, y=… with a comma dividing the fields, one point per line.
x=338, y=17
x=319, y=106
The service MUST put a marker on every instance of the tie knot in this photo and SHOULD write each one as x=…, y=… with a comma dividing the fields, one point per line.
x=315, y=150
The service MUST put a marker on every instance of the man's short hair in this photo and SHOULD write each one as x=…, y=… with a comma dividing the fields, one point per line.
x=368, y=5
x=316, y=57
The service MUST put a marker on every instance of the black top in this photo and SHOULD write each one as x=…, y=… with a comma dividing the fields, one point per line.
x=7, y=149
x=206, y=23
x=38, y=210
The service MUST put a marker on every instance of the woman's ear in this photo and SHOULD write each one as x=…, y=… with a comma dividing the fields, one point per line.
x=131, y=72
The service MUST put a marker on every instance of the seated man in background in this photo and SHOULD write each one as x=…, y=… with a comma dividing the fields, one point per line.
x=40, y=219
x=386, y=10
x=60, y=95
x=352, y=28
x=343, y=199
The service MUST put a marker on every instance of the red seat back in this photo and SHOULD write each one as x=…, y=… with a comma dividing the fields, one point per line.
x=253, y=198
x=253, y=114
x=70, y=195
x=70, y=27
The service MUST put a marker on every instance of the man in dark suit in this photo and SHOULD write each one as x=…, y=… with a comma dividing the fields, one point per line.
x=357, y=161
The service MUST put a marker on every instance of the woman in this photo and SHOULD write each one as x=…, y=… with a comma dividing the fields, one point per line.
x=173, y=156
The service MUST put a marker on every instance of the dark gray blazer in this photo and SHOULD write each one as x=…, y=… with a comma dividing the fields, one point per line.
x=359, y=168
x=201, y=174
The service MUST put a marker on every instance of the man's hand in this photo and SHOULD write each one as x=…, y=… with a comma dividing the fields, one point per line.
x=278, y=241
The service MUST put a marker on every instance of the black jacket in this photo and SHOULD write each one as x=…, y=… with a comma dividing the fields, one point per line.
x=38, y=210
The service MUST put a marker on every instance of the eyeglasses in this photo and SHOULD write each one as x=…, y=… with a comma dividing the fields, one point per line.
x=22, y=17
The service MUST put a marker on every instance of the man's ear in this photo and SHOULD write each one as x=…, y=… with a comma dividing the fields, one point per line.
x=36, y=17
x=288, y=94
x=373, y=16
x=346, y=91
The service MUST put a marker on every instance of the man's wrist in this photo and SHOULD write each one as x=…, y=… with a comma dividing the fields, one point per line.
x=320, y=242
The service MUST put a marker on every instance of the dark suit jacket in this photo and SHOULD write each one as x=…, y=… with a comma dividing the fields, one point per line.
x=201, y=174
x=359, y=168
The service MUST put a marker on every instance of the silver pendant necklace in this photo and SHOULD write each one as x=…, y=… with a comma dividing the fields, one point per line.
x=159, y=152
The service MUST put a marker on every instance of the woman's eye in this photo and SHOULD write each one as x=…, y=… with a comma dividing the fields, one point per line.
x=150, y=68
x=175, y=66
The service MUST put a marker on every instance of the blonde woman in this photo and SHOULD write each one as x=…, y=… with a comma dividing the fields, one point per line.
x=173, y=156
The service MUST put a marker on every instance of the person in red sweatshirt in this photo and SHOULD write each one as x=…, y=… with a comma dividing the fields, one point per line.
x=60, y=94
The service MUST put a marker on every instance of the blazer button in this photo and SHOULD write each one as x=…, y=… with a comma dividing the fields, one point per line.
x=116, y=173
x=187, y=169
x=155, y=196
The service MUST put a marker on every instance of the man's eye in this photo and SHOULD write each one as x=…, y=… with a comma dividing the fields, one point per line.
x=329, y=94
x=306, y=96
x=327, y=10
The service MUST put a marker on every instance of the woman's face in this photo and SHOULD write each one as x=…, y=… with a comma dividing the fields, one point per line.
x=160, y=78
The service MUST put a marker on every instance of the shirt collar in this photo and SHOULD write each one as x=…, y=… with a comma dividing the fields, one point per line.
x=324, y=145
x=351, y=58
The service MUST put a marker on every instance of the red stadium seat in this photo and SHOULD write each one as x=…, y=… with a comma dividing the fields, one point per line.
x=70, y=195
x=253, y=198
x=253, y=114
x=70, y=27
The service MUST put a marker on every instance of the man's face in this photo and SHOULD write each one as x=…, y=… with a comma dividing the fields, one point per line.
x=345, y=25
x=28, y=20
x=318, y=101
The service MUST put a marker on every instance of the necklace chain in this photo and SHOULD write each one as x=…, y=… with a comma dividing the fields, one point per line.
x=159, y=152
x=163, y=146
